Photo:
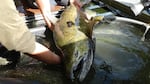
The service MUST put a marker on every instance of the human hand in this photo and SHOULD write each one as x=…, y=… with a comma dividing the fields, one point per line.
x=77, y=3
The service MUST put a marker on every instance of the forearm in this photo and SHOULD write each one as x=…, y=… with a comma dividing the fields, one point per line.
x=45, y=8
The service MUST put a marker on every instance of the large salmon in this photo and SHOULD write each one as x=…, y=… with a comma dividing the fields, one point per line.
x=75, y=42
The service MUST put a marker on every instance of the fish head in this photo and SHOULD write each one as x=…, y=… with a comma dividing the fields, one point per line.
x=65, y=28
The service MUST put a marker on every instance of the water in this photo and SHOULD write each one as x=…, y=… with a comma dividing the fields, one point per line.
x=121, y=56
x=147, y=26
x=144, y=35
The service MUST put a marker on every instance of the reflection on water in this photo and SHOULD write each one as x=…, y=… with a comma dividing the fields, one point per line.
x=121, y=56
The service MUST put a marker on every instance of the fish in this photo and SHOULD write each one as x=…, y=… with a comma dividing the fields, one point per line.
x=75, y=41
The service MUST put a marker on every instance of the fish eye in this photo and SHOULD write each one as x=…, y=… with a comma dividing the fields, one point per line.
x=70, y=23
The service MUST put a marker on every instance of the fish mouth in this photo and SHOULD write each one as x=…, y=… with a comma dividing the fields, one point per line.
x=81, y=68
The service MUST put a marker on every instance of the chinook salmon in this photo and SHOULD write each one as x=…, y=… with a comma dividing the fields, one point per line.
x=75, y=42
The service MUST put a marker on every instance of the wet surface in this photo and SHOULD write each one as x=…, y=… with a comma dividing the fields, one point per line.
x=121, y=56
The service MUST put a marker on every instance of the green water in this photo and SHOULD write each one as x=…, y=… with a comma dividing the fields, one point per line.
x=121, y=56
